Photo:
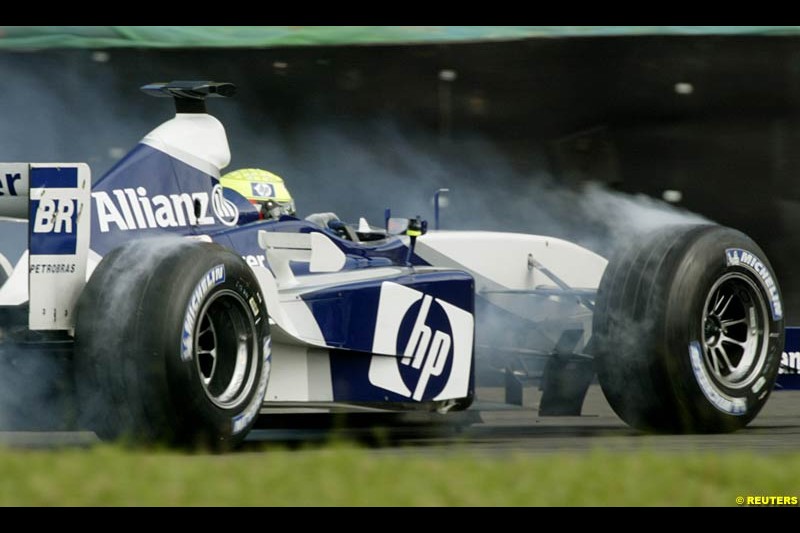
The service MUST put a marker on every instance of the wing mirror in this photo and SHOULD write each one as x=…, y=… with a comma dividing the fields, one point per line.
x=411, y=227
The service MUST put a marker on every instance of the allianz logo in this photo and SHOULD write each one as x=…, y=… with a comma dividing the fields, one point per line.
x=133, y=209
x=790, y=363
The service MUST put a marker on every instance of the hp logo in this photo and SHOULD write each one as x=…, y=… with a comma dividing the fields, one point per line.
x=426, y=352
x=422, y=345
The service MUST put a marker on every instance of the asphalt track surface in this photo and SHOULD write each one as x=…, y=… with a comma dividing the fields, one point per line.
x=491, y=426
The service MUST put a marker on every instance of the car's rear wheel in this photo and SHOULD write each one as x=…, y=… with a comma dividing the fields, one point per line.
x=172, y=345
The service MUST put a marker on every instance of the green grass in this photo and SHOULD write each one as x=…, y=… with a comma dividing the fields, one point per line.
x=343, y=475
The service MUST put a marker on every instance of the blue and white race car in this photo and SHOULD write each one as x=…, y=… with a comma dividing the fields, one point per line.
x=185, y=316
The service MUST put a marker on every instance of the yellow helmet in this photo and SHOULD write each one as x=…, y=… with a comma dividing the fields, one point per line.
x=263, y=188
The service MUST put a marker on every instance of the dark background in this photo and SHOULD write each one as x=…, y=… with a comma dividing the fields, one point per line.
x=516, y=133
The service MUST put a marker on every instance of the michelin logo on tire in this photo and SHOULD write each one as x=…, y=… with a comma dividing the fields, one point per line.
x=723, y=402
x=242, y=421
x=426, y=346
x=748, y=260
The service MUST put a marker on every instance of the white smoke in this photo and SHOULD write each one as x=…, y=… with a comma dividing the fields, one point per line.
x=360, y=169
x=624, y=216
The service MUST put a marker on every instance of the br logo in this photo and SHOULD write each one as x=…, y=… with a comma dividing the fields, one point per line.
x=426, y=345
x=55, y=225
x=54, y=215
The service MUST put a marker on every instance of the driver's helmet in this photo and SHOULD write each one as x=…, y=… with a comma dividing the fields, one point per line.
x=263, y=188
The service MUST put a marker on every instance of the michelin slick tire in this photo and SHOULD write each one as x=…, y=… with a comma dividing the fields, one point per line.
x=172, y=345
x=688, y=329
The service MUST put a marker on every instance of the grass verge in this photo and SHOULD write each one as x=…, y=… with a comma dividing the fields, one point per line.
x=343, y=475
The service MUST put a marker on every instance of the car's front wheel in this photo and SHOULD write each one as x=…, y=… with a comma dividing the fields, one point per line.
x=688, y=330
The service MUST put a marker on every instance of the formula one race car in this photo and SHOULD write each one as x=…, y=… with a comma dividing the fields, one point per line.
x=185, y=316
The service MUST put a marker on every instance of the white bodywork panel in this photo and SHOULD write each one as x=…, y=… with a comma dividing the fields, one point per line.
x=197, y=139
x=299, y=374
x=314, y=248
x=500, y=262
x=502, y=258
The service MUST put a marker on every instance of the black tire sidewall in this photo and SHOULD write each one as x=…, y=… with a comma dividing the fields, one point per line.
x=704, y=263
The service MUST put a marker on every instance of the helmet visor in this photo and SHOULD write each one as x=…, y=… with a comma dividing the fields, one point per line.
x=271, y=209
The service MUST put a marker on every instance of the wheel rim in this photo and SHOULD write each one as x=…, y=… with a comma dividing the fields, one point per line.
x=225, y=349
x=735, y=331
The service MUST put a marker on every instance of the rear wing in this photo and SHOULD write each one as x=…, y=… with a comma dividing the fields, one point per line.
x=55, y=198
